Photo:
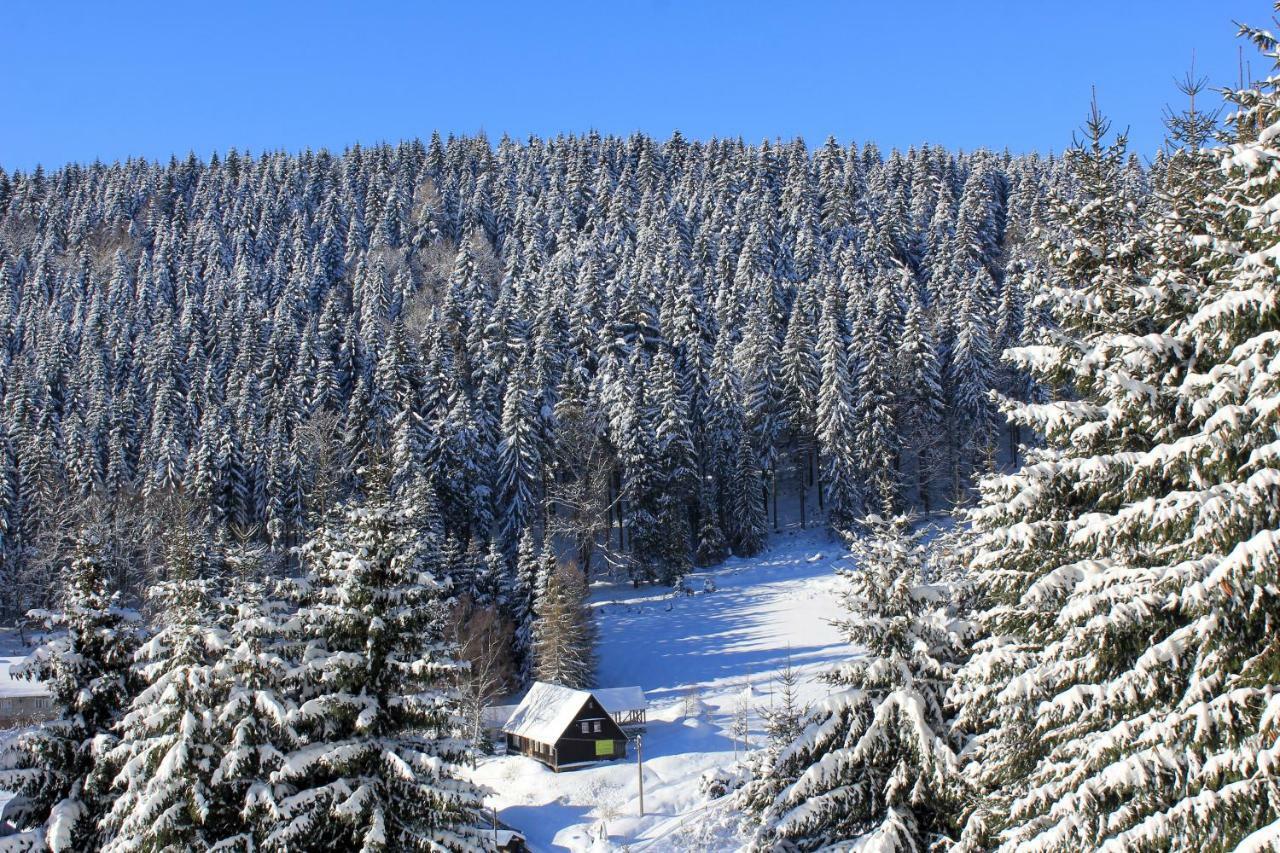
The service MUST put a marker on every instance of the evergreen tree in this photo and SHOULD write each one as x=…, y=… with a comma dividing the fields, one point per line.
x=519, y=460
x=378, y=718
x=921, y=397
x=876, y=764
x=836, y=425
x=1120, y=694
x=57, y=771
x=170, y=739
x=254, y=712
x=970, y=378
x=528, y=567
x=564, y=633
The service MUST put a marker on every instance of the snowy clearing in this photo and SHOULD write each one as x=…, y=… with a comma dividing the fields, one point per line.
x=694, y=656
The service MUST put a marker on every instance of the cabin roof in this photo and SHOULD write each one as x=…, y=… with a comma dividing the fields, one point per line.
x=545, y=713
x=618, y=699
x=13, y=688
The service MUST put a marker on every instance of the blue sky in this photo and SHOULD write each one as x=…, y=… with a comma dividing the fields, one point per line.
x=108, y=80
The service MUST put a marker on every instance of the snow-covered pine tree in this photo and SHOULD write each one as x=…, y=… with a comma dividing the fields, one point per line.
x=732, y=462
x=1024, y=553
x=673, y=449
x=920, y=395
x=971, y=416
x=255, y=702
x=749, y=507
x=877, y=436
x=837, y=446
x=875, y=767
x=378, y=714
x=524, y=599
x=519, y=460
x=171, y=740
x=1123, y=694
x=57, y=771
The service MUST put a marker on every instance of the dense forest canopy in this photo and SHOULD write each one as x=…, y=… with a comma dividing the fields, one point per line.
x=640, y=347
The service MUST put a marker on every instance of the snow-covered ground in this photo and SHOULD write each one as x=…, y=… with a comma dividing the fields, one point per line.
x=695, y=656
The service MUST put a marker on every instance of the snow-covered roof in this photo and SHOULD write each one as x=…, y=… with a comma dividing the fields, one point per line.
x=618, y=699
x=496, y=716
x=11, y=687
x=546, y=712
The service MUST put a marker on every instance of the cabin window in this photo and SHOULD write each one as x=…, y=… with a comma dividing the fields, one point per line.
x=586, y=727
x=595, y=727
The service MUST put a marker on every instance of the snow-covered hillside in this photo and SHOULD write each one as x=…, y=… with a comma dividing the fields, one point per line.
x=695, y=656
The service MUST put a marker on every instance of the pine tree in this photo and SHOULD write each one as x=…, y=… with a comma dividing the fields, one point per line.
x=564, y=633
x=378, y=718
x=253, y=716
x=749, y=506
x=970, y=379
x=519, y=460
x=836, y=425
x=1120, y=694
x=57, y=771
x=877, y=433
x=875, y=766
x=171, y=739
x=528, y=567
x=921, y=397
x=677, y=474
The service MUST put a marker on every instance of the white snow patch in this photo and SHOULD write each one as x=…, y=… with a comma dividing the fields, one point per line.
x=692, y=655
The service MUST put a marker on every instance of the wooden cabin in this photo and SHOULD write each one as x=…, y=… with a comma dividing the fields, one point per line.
x=564, y=728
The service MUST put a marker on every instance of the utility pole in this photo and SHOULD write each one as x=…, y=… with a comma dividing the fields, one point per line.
x=640, y=770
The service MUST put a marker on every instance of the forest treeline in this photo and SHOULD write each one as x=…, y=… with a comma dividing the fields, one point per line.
x=639, y=347
x=307, y=458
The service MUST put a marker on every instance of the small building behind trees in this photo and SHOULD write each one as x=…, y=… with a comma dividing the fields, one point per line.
x=564, y=728
x=22, y=701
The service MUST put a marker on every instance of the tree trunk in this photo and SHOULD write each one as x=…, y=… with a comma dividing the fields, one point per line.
x=803, y=492
x=775, y=500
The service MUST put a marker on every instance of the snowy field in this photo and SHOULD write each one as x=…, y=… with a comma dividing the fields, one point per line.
x=695, y=656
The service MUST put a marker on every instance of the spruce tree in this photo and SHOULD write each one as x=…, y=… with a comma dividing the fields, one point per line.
x=1120, y=695
x=564, y=633
x=253, y=715
x=57, y=772
x=171, y=739
x=876, y=764
x=836, y=424
x=378, y=720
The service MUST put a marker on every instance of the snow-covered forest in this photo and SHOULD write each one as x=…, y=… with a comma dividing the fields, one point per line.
x=639, y=345
x=307, y=458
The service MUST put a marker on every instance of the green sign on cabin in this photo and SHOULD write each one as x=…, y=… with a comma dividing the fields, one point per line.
x=604, y=747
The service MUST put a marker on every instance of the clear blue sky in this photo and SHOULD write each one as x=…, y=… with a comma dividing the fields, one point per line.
x=108, y=80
